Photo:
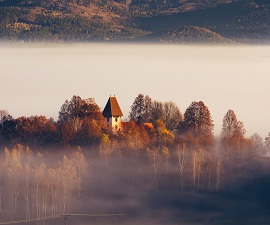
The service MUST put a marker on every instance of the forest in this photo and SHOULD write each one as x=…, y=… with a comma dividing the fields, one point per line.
x=161, y=166
x=224, y=21
x=153, y=124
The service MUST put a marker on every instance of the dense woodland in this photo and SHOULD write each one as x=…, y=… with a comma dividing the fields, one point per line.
x=141, y=20
x=153, y=124
x=77, y=164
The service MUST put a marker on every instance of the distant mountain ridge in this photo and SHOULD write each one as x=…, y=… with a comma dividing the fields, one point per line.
x=192, y=34
x=246, y=21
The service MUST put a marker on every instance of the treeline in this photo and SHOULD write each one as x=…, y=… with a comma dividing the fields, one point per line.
x=156, y=7
x=36, y=187
x=68, y=28
x=61, y=21
x=193, y=34
x=159, y=149
x=99, y=20
x=153, y=124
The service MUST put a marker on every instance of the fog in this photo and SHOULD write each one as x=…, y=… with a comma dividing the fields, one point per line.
x=48, y=184
x=37, y=78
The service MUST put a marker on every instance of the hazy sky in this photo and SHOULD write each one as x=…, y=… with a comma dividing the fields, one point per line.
x=37, y=79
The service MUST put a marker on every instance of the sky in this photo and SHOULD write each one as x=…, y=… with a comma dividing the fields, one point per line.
x=36, y=79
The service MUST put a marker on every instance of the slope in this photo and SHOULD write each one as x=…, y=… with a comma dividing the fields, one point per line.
x=245, y=21
x=65, y=20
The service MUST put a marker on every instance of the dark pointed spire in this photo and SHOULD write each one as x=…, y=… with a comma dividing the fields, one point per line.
x=112, y=108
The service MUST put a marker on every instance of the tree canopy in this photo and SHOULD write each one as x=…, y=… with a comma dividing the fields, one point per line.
x=198, y=122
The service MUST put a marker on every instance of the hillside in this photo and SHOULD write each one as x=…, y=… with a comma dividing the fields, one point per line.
x=244, y=21
x=65, y=20
x=188, y=35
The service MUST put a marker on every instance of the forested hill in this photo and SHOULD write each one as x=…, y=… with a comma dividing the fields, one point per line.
x=245, y=21
x=66, y=20
x=150, y=20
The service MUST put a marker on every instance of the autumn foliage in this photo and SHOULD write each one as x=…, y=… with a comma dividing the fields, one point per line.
x=153, y=124
x=168, y=149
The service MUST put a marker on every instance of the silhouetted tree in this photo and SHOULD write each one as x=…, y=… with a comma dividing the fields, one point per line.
x=198, y=121
x=4, y=115
x=168, y=112
x=141, y=109
x=157, y=111
x=172, y=115
x=267, y=144
x=8, y=131
x=71, y=110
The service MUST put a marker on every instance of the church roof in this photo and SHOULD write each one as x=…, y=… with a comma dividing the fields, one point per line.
x=112, y=108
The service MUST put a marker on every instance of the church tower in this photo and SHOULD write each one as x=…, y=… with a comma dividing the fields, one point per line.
x=112, y=114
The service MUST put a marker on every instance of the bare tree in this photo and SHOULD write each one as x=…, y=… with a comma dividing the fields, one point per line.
x=165, y=158
x=157, y=111
x=198, y=158
x=259, y=148
x=219, y=169
x=232, y=136
x=267, y=144
x=154, y=157
x=182, y=156
x=105, y=151
x=172, y=115
x=81, y=165
x=141, y=109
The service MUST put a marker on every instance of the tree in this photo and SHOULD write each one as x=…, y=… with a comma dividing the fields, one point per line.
x=165, y=156
x=4, y=118
x=198, y=158
x=80, y=121
x=135, y=136
x=144, y=110
x=71, y=110
x=231, y=126
x=141, y=109
x=232, y=136
x=219, y=170
x=4, y=115
x=267, y=144
x=9, y=130
x=43, y=130
x=198, y=121
x=165, y=137
x=157, y=111
x=90, y=132
x=172, y=115
x=76, y=109
x=168, y=112
x=155, y=159
x=35, y=130
x=105, y=151
x=258, y=146
x=182, y=156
